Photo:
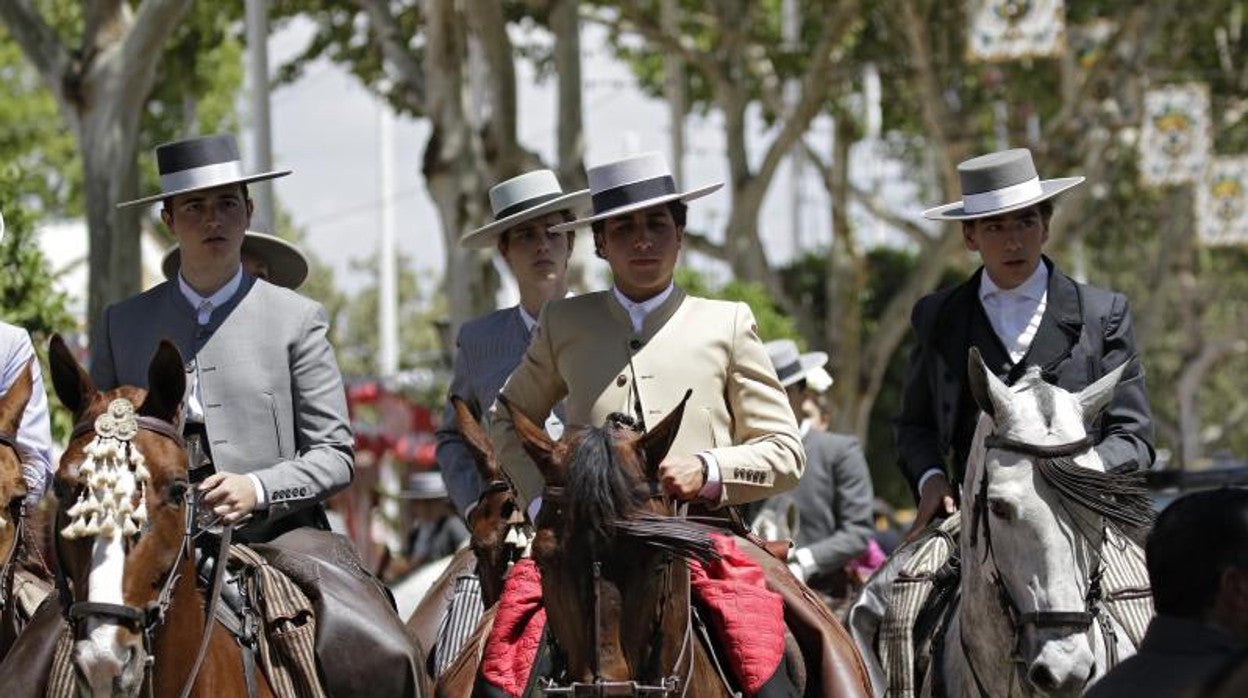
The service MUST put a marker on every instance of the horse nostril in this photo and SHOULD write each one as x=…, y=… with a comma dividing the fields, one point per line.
x=1042, y=677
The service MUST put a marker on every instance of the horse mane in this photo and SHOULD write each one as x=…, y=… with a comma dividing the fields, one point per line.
x=1121, y=498
x=603, y=503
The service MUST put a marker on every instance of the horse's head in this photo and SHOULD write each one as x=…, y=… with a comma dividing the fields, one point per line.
x=1042, y=501
x=497, y=521
x=605, y=546
x=12, y=484
x=122, y=488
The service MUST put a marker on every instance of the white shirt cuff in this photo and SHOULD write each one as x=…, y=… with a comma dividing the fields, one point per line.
x=713, y=487
x=927, y=476
x=262, y=500
x=534, y=507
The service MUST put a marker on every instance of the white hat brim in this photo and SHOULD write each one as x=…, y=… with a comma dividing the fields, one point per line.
x=629, y=208
x=487, y=235
x=241, y=180
x=808, y=362
x=956, y=212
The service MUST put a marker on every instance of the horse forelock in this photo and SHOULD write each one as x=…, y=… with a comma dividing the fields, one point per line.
x=1040, y=413
x=598, y=490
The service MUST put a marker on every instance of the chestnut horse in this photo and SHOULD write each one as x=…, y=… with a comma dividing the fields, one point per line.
x=497, y=541
x=124, y=541
x=614, y=563
x=17, y=547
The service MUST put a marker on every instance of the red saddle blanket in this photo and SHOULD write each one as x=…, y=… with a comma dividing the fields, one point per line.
x=746, y=618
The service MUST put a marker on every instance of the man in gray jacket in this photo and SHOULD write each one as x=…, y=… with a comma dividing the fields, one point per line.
x=265, y=404
x=834, y=496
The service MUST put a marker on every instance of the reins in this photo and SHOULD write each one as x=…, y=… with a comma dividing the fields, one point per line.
x=18, y=517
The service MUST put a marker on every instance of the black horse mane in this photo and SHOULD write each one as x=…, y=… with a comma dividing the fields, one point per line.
x=604, y=502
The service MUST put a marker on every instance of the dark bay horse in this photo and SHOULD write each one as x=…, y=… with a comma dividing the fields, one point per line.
x=497, y=541
x=19, y=562
x=615, y=578
x=124, y=541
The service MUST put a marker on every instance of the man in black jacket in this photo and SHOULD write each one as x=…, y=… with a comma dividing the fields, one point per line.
x=1019, y=310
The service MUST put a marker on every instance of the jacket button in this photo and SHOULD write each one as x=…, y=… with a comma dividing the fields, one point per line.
x=635, y=344
x=620, y=380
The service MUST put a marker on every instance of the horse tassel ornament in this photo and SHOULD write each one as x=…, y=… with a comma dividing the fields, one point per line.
x=114, y=469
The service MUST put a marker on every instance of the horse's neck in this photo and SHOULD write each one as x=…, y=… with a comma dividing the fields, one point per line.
x=177, y=641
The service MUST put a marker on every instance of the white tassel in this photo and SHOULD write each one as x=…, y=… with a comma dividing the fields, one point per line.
x=75, y=530
x=108, y=527
x=129, y=529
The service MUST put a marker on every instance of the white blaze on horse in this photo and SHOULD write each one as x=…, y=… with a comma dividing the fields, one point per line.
x=1038, y=509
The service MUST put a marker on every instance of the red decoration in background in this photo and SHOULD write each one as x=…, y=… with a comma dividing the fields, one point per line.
x=386, y=423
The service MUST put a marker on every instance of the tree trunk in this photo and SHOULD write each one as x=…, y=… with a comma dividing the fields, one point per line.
x=454, y=164
x=565, y=24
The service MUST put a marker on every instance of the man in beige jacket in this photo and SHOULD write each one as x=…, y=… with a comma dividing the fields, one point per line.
x=638, y=347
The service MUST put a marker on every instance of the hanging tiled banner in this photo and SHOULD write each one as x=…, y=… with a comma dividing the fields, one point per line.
x=1175, y=137
x=1222, y=202
x=1002, y=30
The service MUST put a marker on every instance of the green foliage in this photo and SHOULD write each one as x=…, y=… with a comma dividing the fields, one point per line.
x=27, y=296
x=357, y=331
x=33, y=137
x=772, y=322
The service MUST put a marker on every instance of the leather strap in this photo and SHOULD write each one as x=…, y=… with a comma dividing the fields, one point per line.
x=210, y=615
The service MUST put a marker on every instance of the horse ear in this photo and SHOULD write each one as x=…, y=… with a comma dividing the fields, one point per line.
x=13, y=404
x=474, y=436
x=166, y=383
x=73, y=386
x=655, y=443
x=536, y=442
x=1095, y=397
x=991, y=393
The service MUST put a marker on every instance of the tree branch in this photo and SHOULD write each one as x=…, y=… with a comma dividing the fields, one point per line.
x=699, y=242
x=815, y=85
x=406, y=67
x=40, y=44
x=143, y=42
x=649, y=27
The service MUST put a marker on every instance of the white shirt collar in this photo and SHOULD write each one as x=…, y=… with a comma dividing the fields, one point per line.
x=1036, y=287
x=218, y=299
x=637, y=312
x=529, y=321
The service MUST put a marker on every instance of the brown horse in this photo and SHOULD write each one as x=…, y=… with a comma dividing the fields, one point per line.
x=18, y=559
x=615, y=576
x=124, y=541
x=495, y=524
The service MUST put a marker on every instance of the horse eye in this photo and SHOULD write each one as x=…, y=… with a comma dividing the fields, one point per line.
x=177, y=491
x=509, y=508
x=1000, y=509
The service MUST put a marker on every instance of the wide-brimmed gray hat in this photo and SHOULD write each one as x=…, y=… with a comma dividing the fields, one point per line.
x=631, y=184
x=791, y=365
x=998, y=183
x=200, y=163
x=424, y=485
x=287, y=265
x=519, y=199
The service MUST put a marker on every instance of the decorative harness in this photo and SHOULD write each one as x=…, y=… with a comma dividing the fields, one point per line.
x=94, y=515
x=1081, y=620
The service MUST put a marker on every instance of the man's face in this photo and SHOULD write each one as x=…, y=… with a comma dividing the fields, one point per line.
x=535, y=254
x=209, y=224
x=1009, y=244
x=641, y=248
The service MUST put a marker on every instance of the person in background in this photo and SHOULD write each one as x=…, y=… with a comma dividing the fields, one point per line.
x=834, y=496
x=264, y=256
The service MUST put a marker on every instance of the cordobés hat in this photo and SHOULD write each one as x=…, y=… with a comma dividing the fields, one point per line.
x=997, y=183
x=523, y=198
x=287, y=265
x=200, y=163
x=631, y=184
x=790, y=364
x=424, y=485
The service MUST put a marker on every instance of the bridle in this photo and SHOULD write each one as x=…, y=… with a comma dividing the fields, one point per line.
x=149, y=618
x=674, y=684
x=1080, y=620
